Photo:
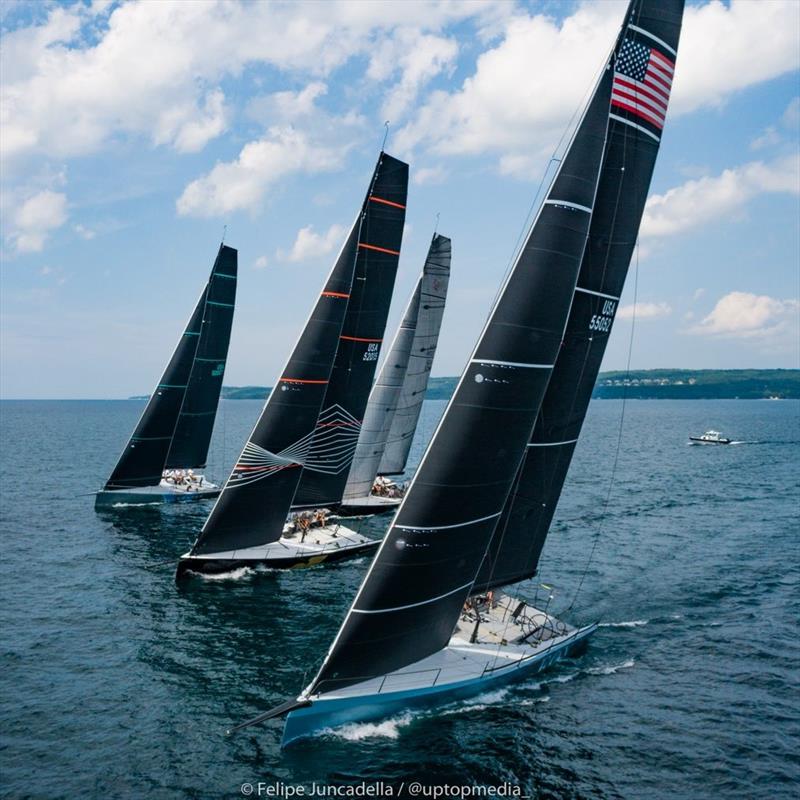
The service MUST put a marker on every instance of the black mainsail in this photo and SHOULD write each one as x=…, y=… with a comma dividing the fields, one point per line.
x=403, y=378
x=426, y=338
x=174, y=430
x=378, y=250
x=410, y=601
x=645, y=62
x=253, y=506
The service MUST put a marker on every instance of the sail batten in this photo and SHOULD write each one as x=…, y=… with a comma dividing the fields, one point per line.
x=253, y=506
x=628, y=163
x=430, y=557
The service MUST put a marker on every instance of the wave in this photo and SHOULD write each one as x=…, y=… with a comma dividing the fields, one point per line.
x=233, y=575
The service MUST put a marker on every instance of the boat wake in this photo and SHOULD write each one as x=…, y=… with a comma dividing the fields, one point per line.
x=634, y=623
x=611, y=669
x=134, y=505
x=357, y=731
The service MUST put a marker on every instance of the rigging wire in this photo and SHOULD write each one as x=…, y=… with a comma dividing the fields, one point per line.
x=599, y=530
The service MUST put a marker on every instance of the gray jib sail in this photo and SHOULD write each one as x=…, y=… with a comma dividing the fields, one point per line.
x=143, y=460
x=436, y=277
x=411, y=598
x=650, y=33
x=403, y=378
x=253, y=506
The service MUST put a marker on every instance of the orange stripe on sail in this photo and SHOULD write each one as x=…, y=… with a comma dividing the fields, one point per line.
x=359, y=339
x=379, y=249
x=385, y=202
x=300, y=380
x=335, y=294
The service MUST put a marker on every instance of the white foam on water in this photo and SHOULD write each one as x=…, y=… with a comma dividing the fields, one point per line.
x=233, y=575
x=634, y=623
x=479, y=703
x=562, y=678
x=134, y=505
x=610, y=670
x=535, y=700
x=356, y=731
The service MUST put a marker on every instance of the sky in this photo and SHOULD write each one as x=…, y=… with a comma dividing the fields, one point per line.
x=135, y=133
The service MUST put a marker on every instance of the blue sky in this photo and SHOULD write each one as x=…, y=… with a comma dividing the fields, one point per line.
x=133, y=132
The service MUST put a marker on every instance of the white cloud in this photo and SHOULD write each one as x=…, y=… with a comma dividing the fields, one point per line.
x=261, y=262
x=516, y=103
x=428, y=175
x=644, y=311
x=699, y=201
x=309, y=244
x=746, y=315
x=85, y=76
x=726, y=48
x=35, y=219
x=84, y=232
x=241, y=184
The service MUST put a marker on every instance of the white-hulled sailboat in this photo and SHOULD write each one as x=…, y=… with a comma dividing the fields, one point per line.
x=432, y=620
x=396, y=398
x=311, y=419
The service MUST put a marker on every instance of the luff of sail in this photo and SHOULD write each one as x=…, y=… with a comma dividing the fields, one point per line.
x=333, y=445
x=410, y=601
x=423, y=350
x=651, y=27
x=252, y=508
x=403, y=376
x=145, y=455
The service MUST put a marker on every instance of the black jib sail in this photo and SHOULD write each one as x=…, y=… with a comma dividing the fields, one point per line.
x=184, y=402
x=332, y=448
x=403, y=378
x=411, y=598
x=255, y=501
x=646, y=52
x=436, y=277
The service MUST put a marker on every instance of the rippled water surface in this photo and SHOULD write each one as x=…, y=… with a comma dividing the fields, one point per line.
x=116, y=684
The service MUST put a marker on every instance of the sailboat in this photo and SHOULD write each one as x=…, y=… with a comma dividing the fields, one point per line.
x=396, y=398
x=311, y=419
x=162, y=460
x=434, y=619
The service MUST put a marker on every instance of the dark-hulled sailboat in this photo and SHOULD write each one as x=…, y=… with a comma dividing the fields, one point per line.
x=423, y=627
x=396, y=398
x=313, y=413
x=169, y=446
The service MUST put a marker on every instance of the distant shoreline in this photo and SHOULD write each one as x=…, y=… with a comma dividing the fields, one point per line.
x=652, y=384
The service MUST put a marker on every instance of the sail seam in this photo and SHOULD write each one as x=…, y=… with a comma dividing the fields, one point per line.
x=411, y=605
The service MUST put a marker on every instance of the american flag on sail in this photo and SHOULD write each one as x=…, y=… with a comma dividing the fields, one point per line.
x=642, y=80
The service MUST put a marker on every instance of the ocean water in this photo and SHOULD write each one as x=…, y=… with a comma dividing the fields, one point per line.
x=116, y=684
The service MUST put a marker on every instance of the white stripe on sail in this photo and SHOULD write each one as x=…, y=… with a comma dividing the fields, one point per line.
x=410, y=605
x=653, y=37
x=634, y=125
